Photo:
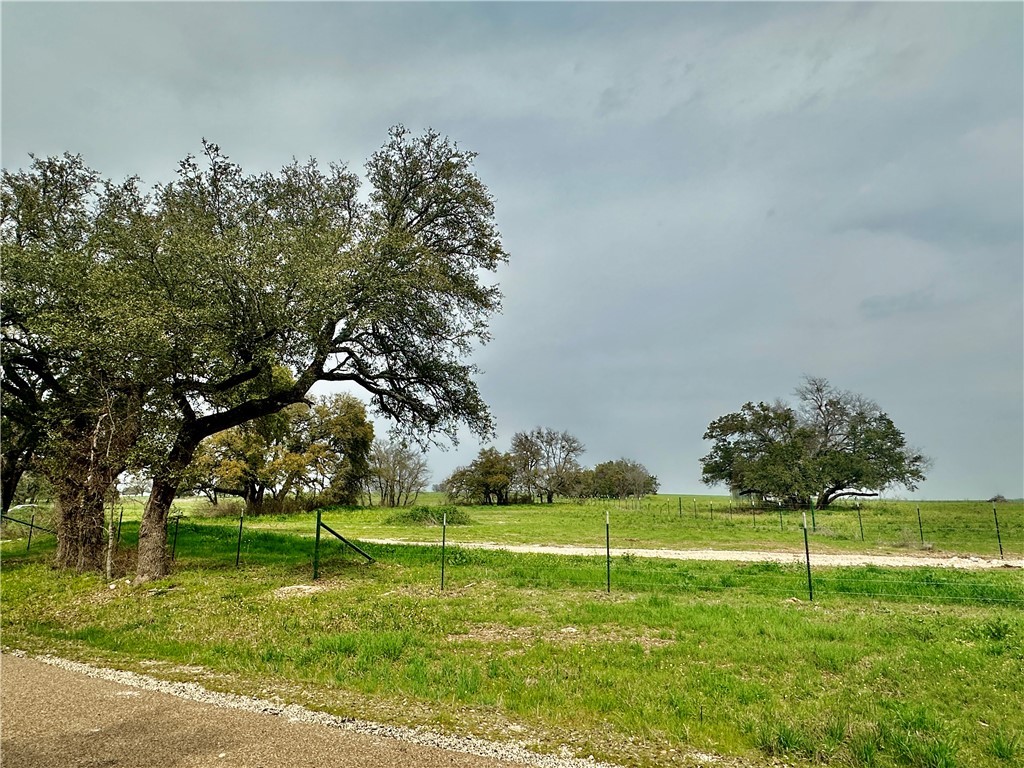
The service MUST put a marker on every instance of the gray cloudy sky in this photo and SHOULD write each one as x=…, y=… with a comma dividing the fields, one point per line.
x=702, y=202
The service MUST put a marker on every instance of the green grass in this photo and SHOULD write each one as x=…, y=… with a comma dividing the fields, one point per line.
x=886, y=667
x=961, y=528
x=676, y=522
x=441, y=515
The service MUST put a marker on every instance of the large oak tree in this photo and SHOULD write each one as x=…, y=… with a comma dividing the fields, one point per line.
x=831, y=444
x=237, y=277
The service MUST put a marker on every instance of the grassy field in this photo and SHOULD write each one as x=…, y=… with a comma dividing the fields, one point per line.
x=677, y=522
x=674, y=522
x=912, y=667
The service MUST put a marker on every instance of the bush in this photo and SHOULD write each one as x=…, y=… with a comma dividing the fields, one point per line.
x=289, y=505
x=429, y=516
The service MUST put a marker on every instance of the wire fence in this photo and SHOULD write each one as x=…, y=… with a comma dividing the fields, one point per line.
x=799, y=571
x=977, y=528
x=801, y=575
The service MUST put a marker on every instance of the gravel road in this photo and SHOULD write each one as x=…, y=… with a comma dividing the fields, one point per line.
x=845, y=559
x=62, y=714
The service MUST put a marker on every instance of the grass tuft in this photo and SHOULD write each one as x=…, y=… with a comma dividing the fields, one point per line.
x=1005, y=746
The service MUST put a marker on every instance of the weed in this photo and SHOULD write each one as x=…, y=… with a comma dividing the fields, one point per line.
x=1005, y=745
x=778, y=739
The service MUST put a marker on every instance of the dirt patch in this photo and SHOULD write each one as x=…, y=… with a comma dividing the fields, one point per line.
x=298, y=590
x=497, y=633
x=722, y=555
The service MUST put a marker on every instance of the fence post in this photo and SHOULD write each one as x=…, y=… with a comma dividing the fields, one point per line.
x=780, y=515
x=807, y=553
x=860, y=522
x=712, y=510
x=608, y=551
x=32, y=527
x=694, y=509
x=998, y=537
x=316, y=548
x=444, y=541
x=680, y=507
x=120, y=517
x=174, y=545
x=238, y=550
x=814, y=522
x=920, y=527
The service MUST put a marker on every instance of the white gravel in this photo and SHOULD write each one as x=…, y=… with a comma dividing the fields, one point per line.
x=512, y=751
x=729, y=555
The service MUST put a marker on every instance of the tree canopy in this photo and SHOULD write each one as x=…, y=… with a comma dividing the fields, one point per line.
x=488, y=479
x=619, y=479
x=397, y=473
x=831, y=444
x=546, y=461
x=160, y=318
x=319, y=450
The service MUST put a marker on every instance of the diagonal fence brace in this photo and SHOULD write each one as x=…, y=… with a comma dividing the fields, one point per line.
x=333, y=532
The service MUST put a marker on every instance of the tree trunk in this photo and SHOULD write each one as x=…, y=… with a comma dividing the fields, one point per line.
x=9, y=484
x=80, y=521
x=154, y=562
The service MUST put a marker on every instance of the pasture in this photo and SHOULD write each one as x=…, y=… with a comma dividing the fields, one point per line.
x=886, y=667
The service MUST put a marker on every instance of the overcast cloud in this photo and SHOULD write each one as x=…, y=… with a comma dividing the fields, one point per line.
x=702, y=202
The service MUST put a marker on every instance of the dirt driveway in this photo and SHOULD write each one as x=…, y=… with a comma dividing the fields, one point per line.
x=728, y=555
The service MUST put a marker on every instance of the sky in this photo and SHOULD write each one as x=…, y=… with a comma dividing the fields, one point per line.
x=702, y=203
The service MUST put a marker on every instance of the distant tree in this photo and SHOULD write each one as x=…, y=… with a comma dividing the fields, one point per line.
x=334, y=437
x=320, y=449
x=34, y=487
x=621, y=478
x=487, y=480
x=398, y=473
x=134, y=484
x=832, y=444
x=546, y=461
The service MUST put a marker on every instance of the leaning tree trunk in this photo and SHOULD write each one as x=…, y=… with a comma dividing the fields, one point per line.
x=153, y=561
x=9, y=480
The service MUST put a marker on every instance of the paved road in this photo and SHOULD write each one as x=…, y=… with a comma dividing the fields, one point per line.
x=56, y=718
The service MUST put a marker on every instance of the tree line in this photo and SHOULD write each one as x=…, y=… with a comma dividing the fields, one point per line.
x=138, y=323
x=541, y=464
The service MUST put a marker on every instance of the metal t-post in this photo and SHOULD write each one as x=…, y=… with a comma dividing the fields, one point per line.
x=807, y=553
x=316, y=548
x=608, y=551
x=998, y=537
x=238, y=550
x=444, y=540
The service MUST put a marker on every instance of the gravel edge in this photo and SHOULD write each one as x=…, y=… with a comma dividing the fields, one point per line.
x=513, y=752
